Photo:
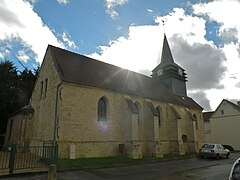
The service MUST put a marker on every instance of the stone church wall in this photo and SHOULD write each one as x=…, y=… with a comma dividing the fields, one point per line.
x=43, y=101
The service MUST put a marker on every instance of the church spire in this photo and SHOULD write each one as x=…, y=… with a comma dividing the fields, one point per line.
x=169, y=72
x=166, y=52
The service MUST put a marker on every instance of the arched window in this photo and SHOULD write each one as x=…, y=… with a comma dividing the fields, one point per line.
x=102, y=109
x=184, y=138
x=159, y=116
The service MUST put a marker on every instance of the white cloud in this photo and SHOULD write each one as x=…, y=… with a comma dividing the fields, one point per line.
x=222, y=11
x=225, y=12
x=17, y=19
x=67, y=39
x=64, y=2
x=23, y=56
x=111, y=6
x=207, y=65
x=137, y=52
x=192, y=29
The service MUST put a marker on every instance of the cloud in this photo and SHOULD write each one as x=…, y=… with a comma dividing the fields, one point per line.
x=18, y=51
x=237, y=85
x=64, y=2
x=19, y=21
x=23, y=56
x=139, y=50
x=208, y=66
x=229, y=35
x=201, y=98
x=111, y=6
x=191, y=28
x=67, y=39
x=202, y=62
x=8, y=17
x=229, y=26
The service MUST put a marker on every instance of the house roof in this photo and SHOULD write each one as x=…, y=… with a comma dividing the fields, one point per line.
x=79, y=69
x=235, y=106
x=25, y=110
x=207, y=115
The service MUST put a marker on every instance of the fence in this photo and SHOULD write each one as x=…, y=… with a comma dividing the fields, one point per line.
x=15, y=159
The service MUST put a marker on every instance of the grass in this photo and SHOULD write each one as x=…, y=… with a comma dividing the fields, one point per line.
x=113, y=161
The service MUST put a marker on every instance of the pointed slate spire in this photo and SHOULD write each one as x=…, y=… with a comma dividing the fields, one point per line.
x=166, y=52
x=169, y=72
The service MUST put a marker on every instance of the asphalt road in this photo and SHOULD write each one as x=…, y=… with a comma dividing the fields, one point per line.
x=187, y=169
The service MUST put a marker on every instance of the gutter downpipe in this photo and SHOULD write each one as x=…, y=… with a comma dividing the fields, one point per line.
x=56, y=114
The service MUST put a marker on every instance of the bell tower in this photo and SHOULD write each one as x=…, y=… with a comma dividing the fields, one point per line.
x=169, y=72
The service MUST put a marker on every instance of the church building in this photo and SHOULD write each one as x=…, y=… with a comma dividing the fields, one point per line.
x=94, y=109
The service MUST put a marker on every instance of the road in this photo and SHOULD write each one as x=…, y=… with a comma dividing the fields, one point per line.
x=187, y=169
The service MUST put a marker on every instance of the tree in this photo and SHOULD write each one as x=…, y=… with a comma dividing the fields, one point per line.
x=15, y=91
x=26, y=83
x=9, y=89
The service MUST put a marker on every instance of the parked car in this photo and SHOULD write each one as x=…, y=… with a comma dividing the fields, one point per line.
x=235, y=171
x=213, y=150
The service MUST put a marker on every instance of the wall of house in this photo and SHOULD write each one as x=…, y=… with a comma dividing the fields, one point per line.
x=67, y=113
x=17, y=127
x=207, y=130
x=225, y=126
x=80, y=133
x=225, y=131
x=43, y=101
x=13, y=132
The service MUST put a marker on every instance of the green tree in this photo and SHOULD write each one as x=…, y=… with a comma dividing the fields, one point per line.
x=9, y=88
x=15, y=91
x=26, y=83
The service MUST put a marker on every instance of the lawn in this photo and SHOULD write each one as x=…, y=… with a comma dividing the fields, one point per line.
x=113, y=161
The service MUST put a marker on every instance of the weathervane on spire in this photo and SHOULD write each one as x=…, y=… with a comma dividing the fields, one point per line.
x=163, y=23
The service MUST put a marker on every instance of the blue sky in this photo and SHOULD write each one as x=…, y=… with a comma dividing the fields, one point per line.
x=128, y=33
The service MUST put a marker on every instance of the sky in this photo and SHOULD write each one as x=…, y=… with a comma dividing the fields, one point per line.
x=204, y=37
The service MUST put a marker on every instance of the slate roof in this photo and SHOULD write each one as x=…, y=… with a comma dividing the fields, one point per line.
x=79, y=69
x=25, y=110
x=168, y=64
x=231, y=103
x=167, y=58
x=207, y=115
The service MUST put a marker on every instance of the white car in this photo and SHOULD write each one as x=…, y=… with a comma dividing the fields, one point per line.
x=235, y=171
x=213, y=150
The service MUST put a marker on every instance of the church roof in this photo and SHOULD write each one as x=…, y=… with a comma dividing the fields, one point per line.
x=79, y=69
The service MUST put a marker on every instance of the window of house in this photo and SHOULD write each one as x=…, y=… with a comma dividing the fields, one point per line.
x=10, y=129
x=102, y=109
x=222, y=112
x=184, y=138
x=41, y=90
x=159, y=116
x=45, y=88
